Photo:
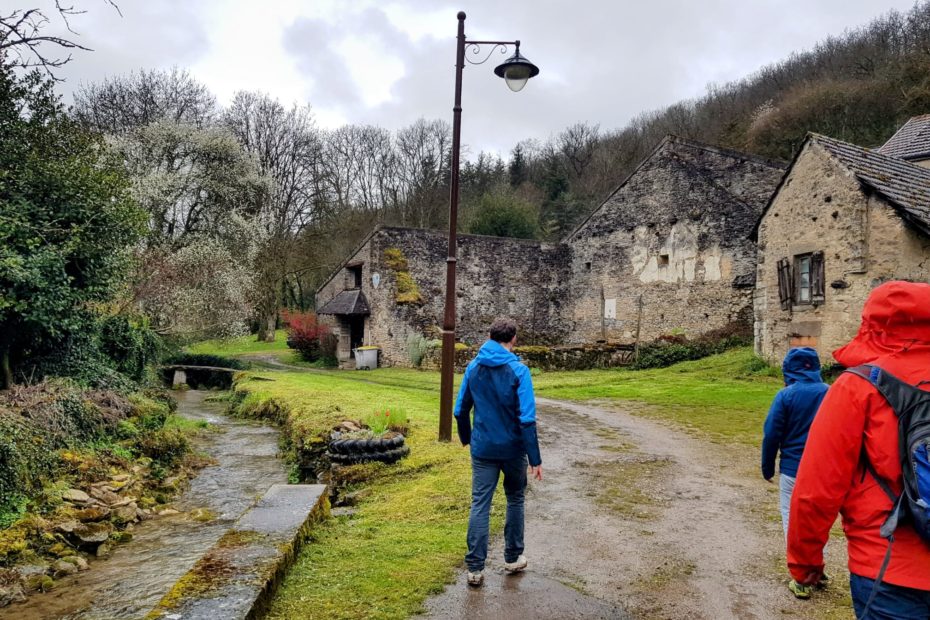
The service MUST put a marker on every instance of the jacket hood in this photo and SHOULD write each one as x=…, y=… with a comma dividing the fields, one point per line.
x=493, y=353
x=895, y=317
x=801, y=365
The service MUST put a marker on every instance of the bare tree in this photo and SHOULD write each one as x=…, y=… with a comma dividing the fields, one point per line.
x=286, y=145
x=124, y=103
x=24, y=44
x=423, y=151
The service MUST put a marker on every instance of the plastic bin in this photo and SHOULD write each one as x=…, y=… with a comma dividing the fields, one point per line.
x=366, y=359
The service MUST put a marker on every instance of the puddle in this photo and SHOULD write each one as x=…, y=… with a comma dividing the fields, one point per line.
x=134, y=578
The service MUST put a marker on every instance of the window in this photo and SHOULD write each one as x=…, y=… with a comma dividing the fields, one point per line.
x=801, y=282
x=354, y=279
x=663, y=260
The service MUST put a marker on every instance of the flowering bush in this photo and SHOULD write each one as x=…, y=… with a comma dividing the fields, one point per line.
x=310, y=338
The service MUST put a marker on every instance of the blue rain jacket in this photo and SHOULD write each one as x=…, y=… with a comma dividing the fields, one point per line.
x=500, y=390
x=792, y=412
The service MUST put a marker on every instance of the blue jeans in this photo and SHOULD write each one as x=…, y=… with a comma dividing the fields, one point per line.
x=785, y=488
x=891, y=602
x=484, y=476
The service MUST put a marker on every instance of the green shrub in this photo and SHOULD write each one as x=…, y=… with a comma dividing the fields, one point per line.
x=673, y=348
x=129, y=347
x=166, y=447
x=417, y=346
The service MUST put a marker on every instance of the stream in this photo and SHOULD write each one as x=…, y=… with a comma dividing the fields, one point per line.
x=139, y=573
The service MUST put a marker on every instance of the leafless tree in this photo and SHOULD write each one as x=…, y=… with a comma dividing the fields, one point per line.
x=287, y=146
x=24, y=44
x=124, y=103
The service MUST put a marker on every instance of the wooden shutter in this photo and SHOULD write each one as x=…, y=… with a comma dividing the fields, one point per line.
x=817, y=278
x=785, y=284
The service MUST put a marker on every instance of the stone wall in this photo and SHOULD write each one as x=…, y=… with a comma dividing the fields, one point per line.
x=822, y=207
x=669, y=251
x=547, y=358
x=496, y=276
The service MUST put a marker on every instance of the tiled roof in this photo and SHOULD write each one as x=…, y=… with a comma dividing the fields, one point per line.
x=912, y=141
x=905, y=185
x=352, y=303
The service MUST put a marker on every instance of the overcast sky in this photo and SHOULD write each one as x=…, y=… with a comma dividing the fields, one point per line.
x=390, y=62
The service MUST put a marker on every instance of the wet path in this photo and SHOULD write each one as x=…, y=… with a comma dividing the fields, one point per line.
x=635, y=519
x=134, y=578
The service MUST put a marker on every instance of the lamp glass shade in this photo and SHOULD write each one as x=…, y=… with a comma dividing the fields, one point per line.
x=516, y=70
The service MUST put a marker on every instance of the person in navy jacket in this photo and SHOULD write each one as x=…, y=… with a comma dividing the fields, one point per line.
x=502, y=438
x=787, y=425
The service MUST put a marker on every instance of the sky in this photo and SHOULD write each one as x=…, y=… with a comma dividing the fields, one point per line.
x=389, y=62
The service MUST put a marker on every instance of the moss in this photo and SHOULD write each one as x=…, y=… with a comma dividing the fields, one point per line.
x=407, y=291
x=238, y=538
x=395, y=260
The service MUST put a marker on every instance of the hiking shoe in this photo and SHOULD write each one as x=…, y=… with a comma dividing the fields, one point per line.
x=824, y=581
x=799, y=591
x=475, y=579
x=516, y=566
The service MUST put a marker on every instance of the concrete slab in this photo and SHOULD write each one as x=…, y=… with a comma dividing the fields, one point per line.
x=237, y=577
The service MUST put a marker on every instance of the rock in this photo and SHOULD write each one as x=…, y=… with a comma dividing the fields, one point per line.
x=60, y=550
x=105, y=495
x=78, y=561
x=61, y=568
x=40, y=583
x=202, y=514
x=93, y=533
x=124, y=502
x=120, y=478
x=167, y=512
x=12, y=588
x=92, y=513
x=142, y=515
x=25, y=571
x=104, y=550
x=75, y=496
x=67, y=527
x=125, y=514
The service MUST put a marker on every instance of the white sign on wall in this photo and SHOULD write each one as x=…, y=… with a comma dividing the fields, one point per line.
x=610, y=308
x=375, y=279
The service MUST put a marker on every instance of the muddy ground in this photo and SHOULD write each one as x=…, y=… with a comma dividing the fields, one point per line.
x=636, y=519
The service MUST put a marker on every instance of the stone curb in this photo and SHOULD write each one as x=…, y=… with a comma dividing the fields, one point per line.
x=237, y=577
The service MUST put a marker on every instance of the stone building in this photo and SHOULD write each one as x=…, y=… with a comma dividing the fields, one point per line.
x=392, y=288
x=669, y=251
x=843, y=220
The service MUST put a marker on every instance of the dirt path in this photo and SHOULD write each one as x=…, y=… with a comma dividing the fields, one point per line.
x=635, y=514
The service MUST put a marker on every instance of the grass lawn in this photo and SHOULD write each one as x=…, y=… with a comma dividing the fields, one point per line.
x=244, y=345
x=407, y=536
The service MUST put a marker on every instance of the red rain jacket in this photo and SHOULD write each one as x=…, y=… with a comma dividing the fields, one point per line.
x=895, y=335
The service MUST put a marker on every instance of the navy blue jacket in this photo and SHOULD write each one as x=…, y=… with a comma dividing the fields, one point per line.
x=792, y=412
x=500, y=389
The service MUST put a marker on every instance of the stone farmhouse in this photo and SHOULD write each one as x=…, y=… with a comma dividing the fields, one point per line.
x=843, y=220
x=669, y=251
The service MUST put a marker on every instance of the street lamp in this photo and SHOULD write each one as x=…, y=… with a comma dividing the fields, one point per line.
x=516, y=70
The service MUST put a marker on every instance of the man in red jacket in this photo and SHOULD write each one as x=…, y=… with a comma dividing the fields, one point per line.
x=855, y=418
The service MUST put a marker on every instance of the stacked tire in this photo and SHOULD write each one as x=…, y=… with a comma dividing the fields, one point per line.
x=381, y=449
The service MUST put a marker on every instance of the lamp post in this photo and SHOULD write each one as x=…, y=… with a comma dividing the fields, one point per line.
x=515, y=71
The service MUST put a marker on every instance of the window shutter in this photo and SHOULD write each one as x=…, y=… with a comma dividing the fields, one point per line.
x=817, y=278
x=785, y=283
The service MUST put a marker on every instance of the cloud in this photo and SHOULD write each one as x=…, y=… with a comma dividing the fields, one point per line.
x=389, y=62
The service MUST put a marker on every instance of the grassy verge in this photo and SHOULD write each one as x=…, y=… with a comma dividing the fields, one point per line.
x=243, y=346
x=407, y=534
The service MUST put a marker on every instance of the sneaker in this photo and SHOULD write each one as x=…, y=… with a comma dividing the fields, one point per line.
x=516, y=566
x=799, y=591
x=475, y=579
x=824, y=581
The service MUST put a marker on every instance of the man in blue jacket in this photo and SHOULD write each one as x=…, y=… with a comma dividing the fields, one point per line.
x=503, y=437
x=787, y=425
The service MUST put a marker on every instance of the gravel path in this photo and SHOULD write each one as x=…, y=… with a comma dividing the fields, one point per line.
x=635, y=519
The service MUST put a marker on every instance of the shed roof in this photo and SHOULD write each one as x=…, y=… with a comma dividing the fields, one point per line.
x=351, y=303
x=912, y=141
x=905, y=185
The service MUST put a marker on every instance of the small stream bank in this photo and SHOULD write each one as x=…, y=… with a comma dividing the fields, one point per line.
x=129, y=583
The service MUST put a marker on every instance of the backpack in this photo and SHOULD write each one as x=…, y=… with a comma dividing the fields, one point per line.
x=911, y=405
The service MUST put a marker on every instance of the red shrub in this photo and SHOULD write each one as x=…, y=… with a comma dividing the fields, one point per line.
x=305, y=333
